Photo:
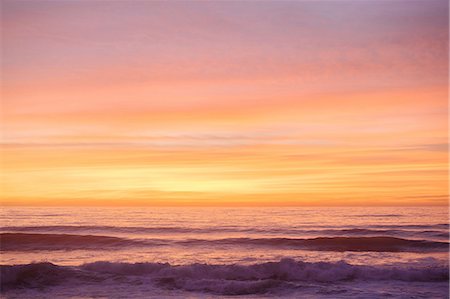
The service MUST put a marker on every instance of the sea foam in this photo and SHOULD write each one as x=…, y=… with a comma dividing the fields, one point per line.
x=219, y=279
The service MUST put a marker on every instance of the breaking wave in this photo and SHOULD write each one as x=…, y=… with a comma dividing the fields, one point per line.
x=26, y=241
x=232, y=279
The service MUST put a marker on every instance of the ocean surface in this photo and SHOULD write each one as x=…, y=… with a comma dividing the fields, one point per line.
x=224, y=252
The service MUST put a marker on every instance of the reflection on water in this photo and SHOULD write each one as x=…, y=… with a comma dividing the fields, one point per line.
x=263, y=252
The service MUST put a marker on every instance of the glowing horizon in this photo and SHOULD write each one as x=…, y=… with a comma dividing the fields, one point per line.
x=225, y=103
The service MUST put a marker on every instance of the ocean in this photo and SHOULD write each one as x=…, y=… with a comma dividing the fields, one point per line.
x=205, y=252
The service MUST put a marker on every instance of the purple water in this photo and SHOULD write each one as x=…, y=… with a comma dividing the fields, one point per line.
x=221, y=252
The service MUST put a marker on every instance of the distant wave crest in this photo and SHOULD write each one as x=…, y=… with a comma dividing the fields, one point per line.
x=28, y=241
x=435, y=231
x=378, y=244
x=25, y=242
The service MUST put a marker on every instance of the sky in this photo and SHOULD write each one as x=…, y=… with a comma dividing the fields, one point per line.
x=248, y=103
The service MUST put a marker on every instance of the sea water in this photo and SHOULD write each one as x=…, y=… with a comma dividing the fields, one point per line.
x=205, y=252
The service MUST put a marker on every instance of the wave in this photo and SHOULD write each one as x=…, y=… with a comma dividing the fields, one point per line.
x=437, y=234
x=377, y=244
x=429, y=233
x=26, y=242
x=231, y=279
x=378, y=215
x=411, y=226
x=117, y=229
x=433, y=234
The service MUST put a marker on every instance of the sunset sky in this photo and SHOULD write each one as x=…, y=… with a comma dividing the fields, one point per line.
x=224, y=103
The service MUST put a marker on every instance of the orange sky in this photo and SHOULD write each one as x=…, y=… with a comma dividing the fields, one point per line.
x=224, y=103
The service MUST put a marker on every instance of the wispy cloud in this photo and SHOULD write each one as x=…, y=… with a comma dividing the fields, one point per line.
x=275, y=102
